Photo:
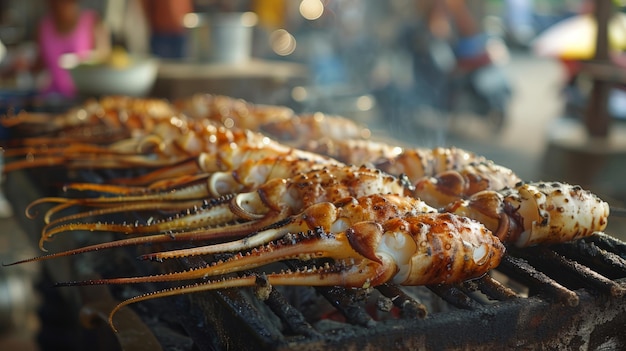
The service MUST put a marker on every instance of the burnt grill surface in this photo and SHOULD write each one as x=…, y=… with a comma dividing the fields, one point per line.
x=568, y=296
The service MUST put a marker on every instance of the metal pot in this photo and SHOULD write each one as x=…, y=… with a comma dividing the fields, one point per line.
x=223, y=37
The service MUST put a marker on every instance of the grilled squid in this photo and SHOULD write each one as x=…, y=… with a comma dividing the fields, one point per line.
x=310, y=130
x=415, y=163
x=123, y=115
x=536, y=213
x=168, y=143
x=175, y=194
x=230, y=158
x=231, y=112
x=249, y=175
x=329, y=216
x=139, y=132
x=441, y=175
x=245, y=212
x=415, y=249
x=411, y=216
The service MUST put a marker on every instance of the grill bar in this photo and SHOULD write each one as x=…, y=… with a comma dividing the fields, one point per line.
x=494, y=289
x=608, y=243
x=561, y=266
x=455, y=296
x=527, y=274
x=605, y=262
x=409, y=307
x=290, y=315
x=348, y=303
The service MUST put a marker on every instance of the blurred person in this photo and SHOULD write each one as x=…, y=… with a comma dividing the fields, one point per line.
x=445, y=35
x=446, y=17
x=168, y=37
x=456, y=64
x=68, y=29
x=64, y=29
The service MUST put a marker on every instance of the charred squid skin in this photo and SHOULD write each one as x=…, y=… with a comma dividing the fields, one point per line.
x=247, y=176
x=256, y=148
x=419, y=249
x=438, y=249
x=252, y=174
x=236, y=160
x=420, y=163
x=537, y=213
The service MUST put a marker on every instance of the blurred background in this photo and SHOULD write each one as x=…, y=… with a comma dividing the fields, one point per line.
x=535, y=85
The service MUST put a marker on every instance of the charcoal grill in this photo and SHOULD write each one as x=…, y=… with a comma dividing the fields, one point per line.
x=567, y=296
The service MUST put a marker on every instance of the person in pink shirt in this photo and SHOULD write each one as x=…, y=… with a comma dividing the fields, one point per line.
x=68, y=29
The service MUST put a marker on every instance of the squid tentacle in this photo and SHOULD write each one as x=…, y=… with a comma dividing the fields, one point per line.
x=155, y=200
x=201, y=234
x=183, y=168
x=216, y=213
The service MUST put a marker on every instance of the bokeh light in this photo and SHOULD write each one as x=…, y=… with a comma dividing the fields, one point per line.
x=282, y=42
x=311, y=9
